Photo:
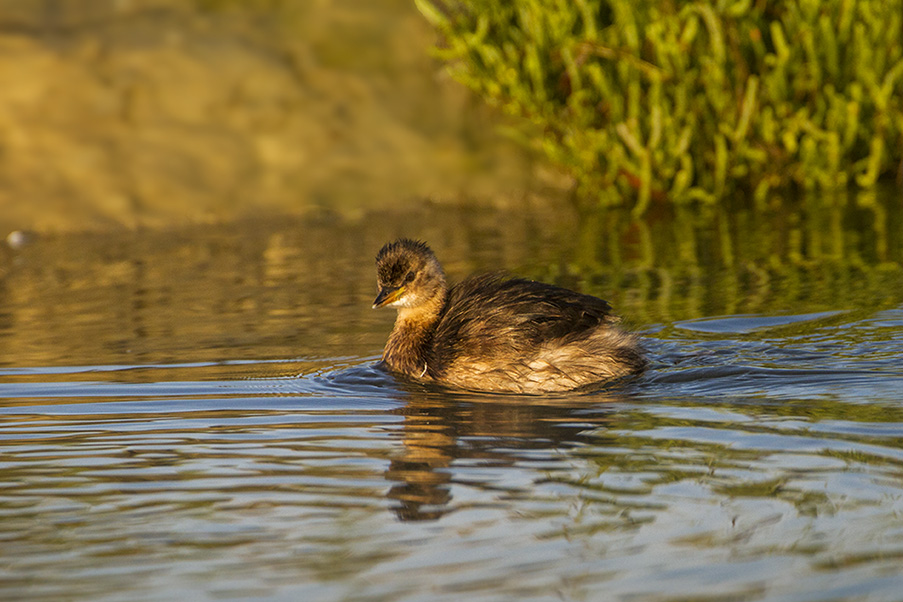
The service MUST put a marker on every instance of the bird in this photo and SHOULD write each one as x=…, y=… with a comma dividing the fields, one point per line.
x=494, y=332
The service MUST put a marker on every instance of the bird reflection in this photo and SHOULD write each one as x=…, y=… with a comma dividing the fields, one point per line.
x=423, y=490
x=440, y=429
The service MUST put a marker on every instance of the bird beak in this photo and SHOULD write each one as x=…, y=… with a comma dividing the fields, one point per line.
x=387, y=295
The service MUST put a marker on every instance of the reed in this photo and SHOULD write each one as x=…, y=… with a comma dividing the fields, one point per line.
x=645, y=100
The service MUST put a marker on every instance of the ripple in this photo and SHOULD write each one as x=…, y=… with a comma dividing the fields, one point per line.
x=742, y=324
x=762, y=466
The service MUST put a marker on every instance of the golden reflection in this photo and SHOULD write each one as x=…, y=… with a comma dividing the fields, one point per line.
x=442, y=429
x=302, y=288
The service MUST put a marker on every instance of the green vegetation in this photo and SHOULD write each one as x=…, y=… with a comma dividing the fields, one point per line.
x=650, y=101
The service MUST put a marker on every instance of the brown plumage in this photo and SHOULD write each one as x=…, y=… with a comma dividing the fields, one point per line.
x=493, y=333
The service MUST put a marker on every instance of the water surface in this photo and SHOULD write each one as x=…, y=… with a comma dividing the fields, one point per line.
x=197, y=415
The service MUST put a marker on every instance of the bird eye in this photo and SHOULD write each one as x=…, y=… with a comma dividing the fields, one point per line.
x=409, y=277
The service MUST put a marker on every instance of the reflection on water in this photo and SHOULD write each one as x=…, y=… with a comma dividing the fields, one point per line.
x=197, y=415
x=264, y=290
x=439, y=430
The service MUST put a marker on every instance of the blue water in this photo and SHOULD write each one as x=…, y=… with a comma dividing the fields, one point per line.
x=760, y=457
x=767, y=468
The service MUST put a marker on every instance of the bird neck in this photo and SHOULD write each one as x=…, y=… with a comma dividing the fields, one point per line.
x=408, y=345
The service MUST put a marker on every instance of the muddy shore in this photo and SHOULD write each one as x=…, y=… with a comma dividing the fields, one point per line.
x=152, y=113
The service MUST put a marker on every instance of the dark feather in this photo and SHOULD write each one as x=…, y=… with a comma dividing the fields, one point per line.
x=497, y=333
x=395, y=259
x=491, y=314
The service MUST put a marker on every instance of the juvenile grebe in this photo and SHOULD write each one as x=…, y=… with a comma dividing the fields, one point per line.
x=493, y=333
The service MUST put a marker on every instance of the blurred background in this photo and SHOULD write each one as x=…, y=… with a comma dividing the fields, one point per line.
x=130, y=113
x=210, y=179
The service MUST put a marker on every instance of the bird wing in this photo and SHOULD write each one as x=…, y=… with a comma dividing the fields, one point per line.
x=489, y=315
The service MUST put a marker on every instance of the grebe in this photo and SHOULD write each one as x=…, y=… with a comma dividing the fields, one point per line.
x=493, y=333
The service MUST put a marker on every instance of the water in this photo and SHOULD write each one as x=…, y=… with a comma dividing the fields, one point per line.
x=197, y=415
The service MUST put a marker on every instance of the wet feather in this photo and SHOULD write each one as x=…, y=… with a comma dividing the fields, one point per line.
x=497, y=333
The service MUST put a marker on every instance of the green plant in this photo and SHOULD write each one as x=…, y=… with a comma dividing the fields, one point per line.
x=647, y=100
